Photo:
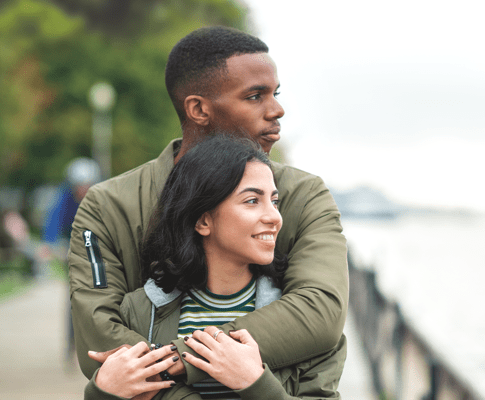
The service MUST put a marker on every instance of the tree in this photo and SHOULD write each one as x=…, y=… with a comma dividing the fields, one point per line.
x=49, y=59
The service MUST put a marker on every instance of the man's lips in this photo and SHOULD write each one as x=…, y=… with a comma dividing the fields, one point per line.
x=272, y=135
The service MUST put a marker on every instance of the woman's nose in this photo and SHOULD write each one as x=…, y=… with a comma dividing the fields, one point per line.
x=272, y=216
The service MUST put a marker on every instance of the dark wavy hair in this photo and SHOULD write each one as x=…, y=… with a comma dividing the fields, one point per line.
x=199, y=59
x=172, y=252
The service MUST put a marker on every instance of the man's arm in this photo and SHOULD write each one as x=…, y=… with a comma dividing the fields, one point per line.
x=315, y=379
x=95, y=311
x=309, y=319
x=310, y=315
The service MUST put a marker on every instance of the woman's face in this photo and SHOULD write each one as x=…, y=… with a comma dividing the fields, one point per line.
x=242, y=229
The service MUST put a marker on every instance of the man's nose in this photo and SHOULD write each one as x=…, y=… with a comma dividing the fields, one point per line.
x=275, y=110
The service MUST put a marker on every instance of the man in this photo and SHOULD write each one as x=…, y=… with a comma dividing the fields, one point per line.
x=219, y=79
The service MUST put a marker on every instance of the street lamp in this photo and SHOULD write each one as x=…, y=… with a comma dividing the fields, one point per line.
x=102, y=97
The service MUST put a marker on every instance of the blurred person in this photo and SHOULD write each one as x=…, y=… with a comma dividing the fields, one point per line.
x=80, y=174
x=219, y=79
x=15, y=237
x=207, y=258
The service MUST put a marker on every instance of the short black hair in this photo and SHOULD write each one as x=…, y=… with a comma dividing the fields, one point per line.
x=172, y=251
x=199, y=58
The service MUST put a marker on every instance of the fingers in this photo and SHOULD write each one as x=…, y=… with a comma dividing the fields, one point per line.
x=243, y=336
x=139, y=349
x=197, y=362
x=207, y=336
x=211, y=330
x=203, y=345
x=161, y=366
x=178, y=368
x=101, y=356
x=154, y=356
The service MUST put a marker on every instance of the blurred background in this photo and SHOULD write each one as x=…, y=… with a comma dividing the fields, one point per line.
x=384, y=100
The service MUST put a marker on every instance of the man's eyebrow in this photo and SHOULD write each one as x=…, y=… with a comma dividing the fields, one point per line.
x=257, y=191
x=260, y=88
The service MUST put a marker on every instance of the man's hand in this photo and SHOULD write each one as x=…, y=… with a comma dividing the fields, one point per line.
x=234, y=360
x=102, y=356
x=128, y=372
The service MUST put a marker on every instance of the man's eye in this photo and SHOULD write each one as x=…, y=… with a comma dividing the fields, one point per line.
x=276, y=94
x=255, y=97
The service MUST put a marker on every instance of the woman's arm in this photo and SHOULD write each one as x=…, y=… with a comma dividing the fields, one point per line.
x=237, y=364
x=129, y=372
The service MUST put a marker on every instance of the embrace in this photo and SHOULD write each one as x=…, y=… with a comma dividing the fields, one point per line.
x=184, y=250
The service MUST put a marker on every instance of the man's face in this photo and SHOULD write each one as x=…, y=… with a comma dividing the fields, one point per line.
x=246, y=103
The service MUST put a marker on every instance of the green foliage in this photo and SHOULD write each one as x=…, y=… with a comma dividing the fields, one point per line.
x=12, y=283
x=51, y=56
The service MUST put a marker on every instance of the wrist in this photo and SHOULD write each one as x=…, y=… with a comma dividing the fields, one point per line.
x=255, y=374
x=105, y=387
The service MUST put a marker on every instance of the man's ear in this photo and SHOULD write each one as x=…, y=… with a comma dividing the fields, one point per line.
x=203, y=225
x=198, y=109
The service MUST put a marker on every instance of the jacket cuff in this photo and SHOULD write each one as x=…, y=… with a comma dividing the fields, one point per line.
x=194, y=374
x=267, y=384
x=93, y=392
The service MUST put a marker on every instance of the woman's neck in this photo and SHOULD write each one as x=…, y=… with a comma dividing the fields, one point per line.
x=226, y=279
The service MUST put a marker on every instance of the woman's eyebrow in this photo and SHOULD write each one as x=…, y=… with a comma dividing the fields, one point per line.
x=252, y=189
x=257, y=191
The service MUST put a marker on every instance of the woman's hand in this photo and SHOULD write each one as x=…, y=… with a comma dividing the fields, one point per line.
x=131, y=371
x=234, y=360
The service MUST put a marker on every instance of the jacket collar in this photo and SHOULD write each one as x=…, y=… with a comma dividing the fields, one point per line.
x=164, y=164
x=266, y=293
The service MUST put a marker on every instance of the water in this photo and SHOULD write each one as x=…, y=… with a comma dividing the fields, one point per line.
x=434, y=267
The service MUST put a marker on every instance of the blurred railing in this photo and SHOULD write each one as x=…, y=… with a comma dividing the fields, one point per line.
x=403, y=364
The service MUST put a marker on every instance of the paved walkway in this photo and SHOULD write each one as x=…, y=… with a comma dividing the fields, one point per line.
x=32, y=346
x=32, y=343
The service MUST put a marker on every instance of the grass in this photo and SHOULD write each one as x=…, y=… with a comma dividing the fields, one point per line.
x=12, y=283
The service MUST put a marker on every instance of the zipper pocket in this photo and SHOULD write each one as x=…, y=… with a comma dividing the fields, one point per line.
x=94, y=256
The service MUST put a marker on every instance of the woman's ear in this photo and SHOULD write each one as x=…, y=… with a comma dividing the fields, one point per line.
x=197, y=109
x=203, y=225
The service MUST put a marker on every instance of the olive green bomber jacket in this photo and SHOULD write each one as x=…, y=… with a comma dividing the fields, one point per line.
x=315, y=295
x=317, y=378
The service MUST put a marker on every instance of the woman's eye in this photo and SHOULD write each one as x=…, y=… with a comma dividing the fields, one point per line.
x=252, y=201
x=276, y=202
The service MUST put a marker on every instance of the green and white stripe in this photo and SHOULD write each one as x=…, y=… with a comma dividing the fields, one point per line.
x=201, y=308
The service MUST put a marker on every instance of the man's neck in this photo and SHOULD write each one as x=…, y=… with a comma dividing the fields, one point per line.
x=191, y=136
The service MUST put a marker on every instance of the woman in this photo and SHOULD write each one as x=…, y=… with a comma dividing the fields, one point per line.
x=208, y=257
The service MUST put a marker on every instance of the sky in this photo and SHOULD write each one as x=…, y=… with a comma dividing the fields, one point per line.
x=388, y=94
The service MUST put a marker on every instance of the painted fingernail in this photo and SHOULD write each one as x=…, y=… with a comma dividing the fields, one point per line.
x=183, y=355
x=186, y=338
x=175, y=359
x=173, y=348
x=172, y=384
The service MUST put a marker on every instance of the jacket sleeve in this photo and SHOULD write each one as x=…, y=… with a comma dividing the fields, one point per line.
x=315, y=379
x=95, y=311
x=311, y=313
x=93, y=392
